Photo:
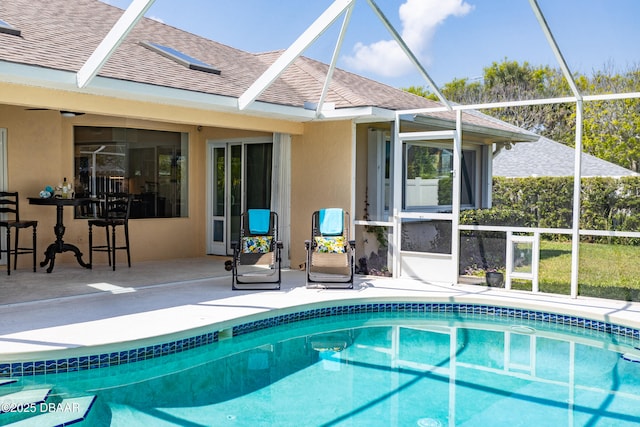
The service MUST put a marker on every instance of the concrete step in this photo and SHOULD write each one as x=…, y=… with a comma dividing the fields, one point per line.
x=53, y=414
x=21, y=400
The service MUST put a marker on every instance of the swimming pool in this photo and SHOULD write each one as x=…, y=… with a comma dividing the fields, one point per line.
x=405, y=363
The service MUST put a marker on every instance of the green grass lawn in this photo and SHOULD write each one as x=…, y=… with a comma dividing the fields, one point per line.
x=608, y=271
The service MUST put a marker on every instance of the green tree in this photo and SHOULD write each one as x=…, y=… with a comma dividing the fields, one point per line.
x=611, y=129
x=510, y=80
x=421, y=162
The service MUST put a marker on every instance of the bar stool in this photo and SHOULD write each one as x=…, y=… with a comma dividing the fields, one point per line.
x=115, y=213
x=9, y=207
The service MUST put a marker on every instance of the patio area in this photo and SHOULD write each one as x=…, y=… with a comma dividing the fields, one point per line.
x=68, y=279
x=73, y=308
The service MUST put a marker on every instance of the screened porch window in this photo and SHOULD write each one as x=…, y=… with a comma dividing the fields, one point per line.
x=428, y=177
x=152, y=165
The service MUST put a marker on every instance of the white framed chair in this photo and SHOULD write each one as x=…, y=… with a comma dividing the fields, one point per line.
x=330, y=251
x=257, y=255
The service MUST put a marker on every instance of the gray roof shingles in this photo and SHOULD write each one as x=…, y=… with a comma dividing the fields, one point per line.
x=550, y=158
x=62, y=34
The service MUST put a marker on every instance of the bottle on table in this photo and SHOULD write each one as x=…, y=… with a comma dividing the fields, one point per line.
x=65, y=189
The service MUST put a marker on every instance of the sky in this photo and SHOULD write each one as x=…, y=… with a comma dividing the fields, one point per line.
x=451, y=38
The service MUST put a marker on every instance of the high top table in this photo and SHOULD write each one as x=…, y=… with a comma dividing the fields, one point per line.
x=59, y=246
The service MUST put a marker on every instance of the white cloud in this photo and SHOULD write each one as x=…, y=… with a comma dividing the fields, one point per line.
x=419, y=20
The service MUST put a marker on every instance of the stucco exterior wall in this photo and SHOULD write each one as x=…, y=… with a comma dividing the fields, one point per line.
x=321, y=177
x=40, y=152
x=136, y=108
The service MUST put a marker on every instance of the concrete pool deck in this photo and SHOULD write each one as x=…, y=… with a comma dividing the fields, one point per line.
x=73, y=308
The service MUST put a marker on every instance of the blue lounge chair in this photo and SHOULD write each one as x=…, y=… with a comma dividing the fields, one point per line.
x=257, y=256
x=330, y=251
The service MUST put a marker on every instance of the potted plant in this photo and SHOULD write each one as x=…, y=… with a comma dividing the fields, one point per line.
x=494, y=278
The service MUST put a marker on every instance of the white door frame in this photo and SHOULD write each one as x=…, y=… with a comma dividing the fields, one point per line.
x=419, y=264
x=223, y=248
x=218, y=248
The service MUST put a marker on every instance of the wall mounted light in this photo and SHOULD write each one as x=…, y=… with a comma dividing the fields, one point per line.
x=70, y=114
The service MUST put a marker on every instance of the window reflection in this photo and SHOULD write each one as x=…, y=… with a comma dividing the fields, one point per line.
x=150, y=164
x=428, y=176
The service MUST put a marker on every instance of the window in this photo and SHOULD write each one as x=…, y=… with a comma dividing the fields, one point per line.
x=180, y=58
x=151, y=165
x=379, y=171
x=428, y=179
x=8, y=29
x=427, y=176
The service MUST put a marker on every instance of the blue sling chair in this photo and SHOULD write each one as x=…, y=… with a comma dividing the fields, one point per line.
x=330, y=252
x=257, y=254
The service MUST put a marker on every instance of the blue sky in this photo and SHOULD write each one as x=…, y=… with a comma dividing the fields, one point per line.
x=452, y=38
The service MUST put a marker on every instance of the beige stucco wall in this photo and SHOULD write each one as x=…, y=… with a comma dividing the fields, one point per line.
x=321, y=175
x=40, y=153
x=137, y=108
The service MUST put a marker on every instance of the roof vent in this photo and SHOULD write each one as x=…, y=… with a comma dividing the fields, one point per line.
x=180, y=58
x=8, y=29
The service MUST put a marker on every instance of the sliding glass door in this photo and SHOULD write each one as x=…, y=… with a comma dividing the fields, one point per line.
x=240, y=179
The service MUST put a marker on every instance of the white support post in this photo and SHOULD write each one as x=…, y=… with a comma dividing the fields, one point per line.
x=409, y=54
x=112, y=40
x=296, y=49
x=554, y=47
x=577, y=187
x=455, y=199
x=508, y=260
x=334, y=60
x=396, y=208
x=535, y=262
x=575, y=241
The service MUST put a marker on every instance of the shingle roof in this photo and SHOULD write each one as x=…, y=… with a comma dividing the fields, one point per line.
x=62, y=34
x=550, y=158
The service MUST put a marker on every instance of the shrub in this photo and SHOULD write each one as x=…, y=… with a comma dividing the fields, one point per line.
x=547, y=202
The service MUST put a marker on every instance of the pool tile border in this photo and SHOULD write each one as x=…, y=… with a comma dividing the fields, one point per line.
x=487, y=312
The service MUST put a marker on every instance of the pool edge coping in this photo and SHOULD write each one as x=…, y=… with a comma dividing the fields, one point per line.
x=98, y=356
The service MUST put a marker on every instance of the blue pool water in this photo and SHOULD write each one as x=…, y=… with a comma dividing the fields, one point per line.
x=399, y=368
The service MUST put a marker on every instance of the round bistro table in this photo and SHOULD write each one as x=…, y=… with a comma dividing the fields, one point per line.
x=59, y=246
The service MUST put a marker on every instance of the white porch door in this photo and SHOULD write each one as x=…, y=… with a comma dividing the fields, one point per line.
x=240, y=177
x=427, y=205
